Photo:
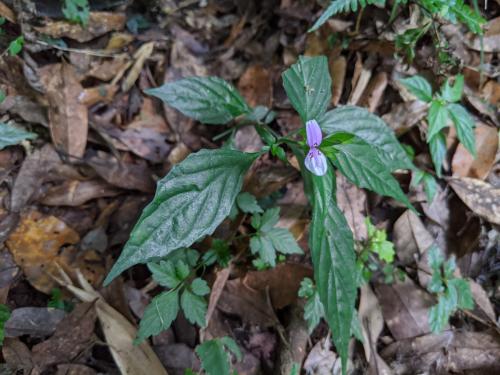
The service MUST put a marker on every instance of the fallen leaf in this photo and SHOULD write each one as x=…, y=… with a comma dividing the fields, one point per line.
x=483, y=306
x=72, y=336
x=33, y=321
x=465, y=165
x=118, y=41
x=67, y=115
x=450, y=352
x=141, y=55
x=352, y=202
x=256, y=86
x=74, y=369
x=321, y=360
x=131, y=359
x=405, y=308
x=75, y=193
x=7, y=13
x=94, y=95
x=338, y=68
x=99, y=24
x=403, y=116
x=39, y=245
x=22, y=106
x=372, y=323
x=360, y=79
x=177, y=357
x=122, y=174
x=482, y=198
x=17, y=355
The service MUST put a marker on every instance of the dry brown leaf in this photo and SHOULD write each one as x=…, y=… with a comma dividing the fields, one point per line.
x=141, y=55
x=490, y=41
x=101, y=93
x=73, y=335
x=33, y=321
x=118, y=41
x=374, y=91
x=405, y=308
x=451, y=352
x=411, y=238
x=17, y=355
x=338, y=68
x=74, y=369
x=405, y=115
x=130, y=358
x=361, y=77
x=106, y=70
x=491, y=92
x=68, y=116
x=483, y=306
x=352, y=202
x=256, y=86
x=7, y=13
x=75, y=193
x=465, y=165
x=372, y=323
x=99, y=24
x=24, y=107
x=482, y=198
x=40, y=244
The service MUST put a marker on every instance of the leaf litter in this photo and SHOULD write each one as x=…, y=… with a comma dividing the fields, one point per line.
x=72, y=194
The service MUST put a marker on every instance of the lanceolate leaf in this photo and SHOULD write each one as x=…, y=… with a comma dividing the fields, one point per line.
x=371, y=129
x=308, y=86
x=210, y=100
x=332, y=250
x=437, y=147
x=361, y=165
x=437, y=118
x=10, y=135
x=419, y=87
x=464, y=124
x=190, y=202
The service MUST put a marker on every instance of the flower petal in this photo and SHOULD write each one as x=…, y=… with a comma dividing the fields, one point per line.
x=313, y=131
x=316, y=162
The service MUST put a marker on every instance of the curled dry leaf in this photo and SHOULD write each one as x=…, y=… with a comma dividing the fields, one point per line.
x=40, y=244
x=256, y=86
x=405, y=308
x=141, y=55
x=361, y=77
x=101, y=93
x=337, y=71
x=411, y=238
x=99, y=24
x=119, y=333
x=75, y=193
x=67, y=114
x=465, y=165
x=374, y=91
x=482, y=198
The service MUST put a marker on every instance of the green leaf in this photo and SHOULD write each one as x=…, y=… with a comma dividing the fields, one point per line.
x=269, y=219
x=313, y=311
x=16, y=46
x=194, y=307
x=159, y=314
x=371, y=129
x=308, y=86
x=468, y=16
x=430, y=187
x=77, y=11
x=464, y=124
x=164, y=274
x=2, y=96
x=264, y=247
x=440, y=314
x=307, y=288
x=10, y=135
x=210, y=100
x=200, y=287
x=214, y=359
x=190, y=202
x=453, y=93
x=437, y=118
x=248, y=203
x=339, y=6
x=462, y=287
x=332, y=250
x=419, y=87
x=434, y=257
x=361, y=165
x=437, y=147
x=283, y=241
x=231, y=345
x=4, y=316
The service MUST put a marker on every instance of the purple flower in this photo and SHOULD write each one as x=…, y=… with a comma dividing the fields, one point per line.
x=315, y=160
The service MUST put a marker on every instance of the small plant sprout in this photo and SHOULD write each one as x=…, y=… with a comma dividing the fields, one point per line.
x=315, y=160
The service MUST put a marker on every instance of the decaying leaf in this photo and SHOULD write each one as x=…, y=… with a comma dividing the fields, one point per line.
x=256, y=86
x=130, y=358
x=67, y=114
x=482, y=198
x=76, y=193
x=465, y=165
x=40, y=244
x=33, y=321
x=405, y=308
x=99, y=23
x=374, y=91
x=142, y=54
